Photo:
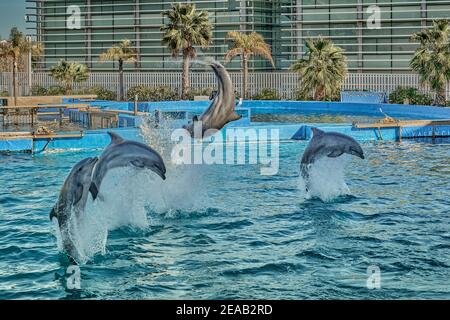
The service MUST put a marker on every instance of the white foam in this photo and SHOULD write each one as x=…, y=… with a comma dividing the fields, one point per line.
x=129, y=196
x=326, y=179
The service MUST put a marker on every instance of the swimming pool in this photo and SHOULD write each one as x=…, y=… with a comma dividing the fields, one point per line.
x=232, y=233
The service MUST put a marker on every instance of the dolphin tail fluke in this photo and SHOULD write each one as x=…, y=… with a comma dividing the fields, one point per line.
x=94, y=191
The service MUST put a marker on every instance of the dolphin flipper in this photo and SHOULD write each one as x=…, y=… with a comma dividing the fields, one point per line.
x=138, y=164
x=335, y=153
x=93, y=190
x=234, y=117
x=78, y=194
x=53, y=214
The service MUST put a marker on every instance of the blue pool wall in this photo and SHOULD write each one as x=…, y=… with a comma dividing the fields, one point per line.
x=266, y=106
x=94, y=139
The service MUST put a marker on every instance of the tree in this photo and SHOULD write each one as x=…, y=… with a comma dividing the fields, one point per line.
x=68, y=73
x=14, y=50
x=432, y=59
x=123, y=53
x=185, y=29
x=247, y=45
x=37, y=50
x=323, y=71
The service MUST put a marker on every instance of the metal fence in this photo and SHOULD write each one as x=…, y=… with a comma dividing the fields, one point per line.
x=285, y=83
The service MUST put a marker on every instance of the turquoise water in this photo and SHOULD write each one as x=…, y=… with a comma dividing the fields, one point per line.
x=246, y=236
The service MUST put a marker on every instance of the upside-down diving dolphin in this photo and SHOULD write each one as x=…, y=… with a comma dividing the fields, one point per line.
x=72, y=201
x=222, y=109
x=123, y=153
x=328, y=144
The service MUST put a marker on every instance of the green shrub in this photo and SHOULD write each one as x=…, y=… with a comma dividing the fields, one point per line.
x=56, y=91
x=142, y=93
x=300, y=96
x=152, y=94
x=164, y=94
x=267, y=94
x=38, y=91
x=4, y=93
x=100, y=92
x=199, y=92
x=409, y=95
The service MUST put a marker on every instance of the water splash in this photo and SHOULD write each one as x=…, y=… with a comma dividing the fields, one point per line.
x=326, y=179
x=156, y=133
x=129, y=197
x=183, y=189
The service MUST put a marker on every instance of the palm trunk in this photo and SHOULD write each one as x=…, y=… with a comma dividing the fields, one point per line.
x=15, y=81
x=245, y=80
x=69, y=88
x=439, y=100
x=121, y=89
x=185, y=77
x=319, y=93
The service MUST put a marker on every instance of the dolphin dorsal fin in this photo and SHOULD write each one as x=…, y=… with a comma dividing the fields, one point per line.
x=317, y=132
x=115, y=138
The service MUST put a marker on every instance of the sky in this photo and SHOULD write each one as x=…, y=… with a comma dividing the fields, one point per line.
x=12, y=14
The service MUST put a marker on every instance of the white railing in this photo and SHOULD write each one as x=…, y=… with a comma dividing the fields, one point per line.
x=285, y=83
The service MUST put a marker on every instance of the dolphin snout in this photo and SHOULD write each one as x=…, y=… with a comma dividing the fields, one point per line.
x=160, y=172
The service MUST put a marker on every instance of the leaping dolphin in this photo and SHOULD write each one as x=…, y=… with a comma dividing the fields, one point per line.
x=328, y=144
x=123, y=153
x=72, y=201
x=222, y=109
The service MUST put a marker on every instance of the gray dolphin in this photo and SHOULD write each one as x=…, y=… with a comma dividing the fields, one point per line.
x=72, y=200
x=328, y=144
x=124, y=153
x=221, y=110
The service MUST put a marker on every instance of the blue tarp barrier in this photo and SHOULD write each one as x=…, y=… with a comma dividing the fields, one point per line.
x=25, y=145
x=363, y=97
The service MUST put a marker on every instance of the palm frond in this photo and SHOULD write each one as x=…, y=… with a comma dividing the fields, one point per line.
x=185, y=29
x=323, y=70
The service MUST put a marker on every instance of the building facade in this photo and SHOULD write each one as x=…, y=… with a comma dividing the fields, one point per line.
x=374, y=33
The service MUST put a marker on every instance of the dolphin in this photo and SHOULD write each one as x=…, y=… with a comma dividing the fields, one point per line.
x=124, y=153
x=72, y=201
x=328, y=144
x=222, y=109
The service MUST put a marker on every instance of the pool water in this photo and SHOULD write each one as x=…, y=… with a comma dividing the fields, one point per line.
x=311, y=118
x=317, y=116
x=232, y=233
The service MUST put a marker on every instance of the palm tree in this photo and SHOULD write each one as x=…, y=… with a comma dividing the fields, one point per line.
x=68, y=73
x=186, y=28
x=247, y=45
x=15, y=48
x=37, y=50
x=432, y=59
x=123, y=53
x=323, y=71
